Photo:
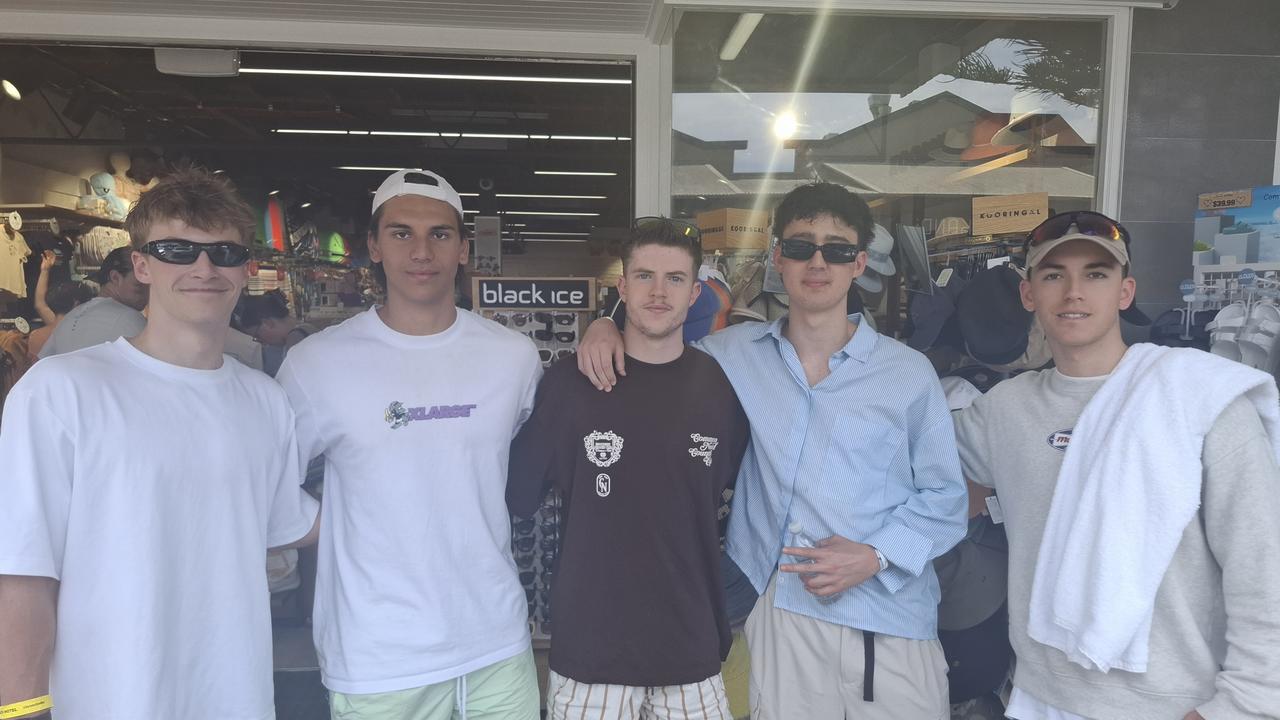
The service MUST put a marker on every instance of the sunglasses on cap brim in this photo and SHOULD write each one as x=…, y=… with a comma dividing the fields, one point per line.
x=177, y=251
x=679, y=228
x=837, y=253
x=1086, y=222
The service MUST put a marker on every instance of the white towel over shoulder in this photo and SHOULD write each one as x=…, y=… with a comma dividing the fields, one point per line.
x=1128, y=486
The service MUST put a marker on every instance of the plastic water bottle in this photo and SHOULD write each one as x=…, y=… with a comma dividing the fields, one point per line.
x=801, y=539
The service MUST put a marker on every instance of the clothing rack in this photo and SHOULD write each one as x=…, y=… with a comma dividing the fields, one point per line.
x=34, y=213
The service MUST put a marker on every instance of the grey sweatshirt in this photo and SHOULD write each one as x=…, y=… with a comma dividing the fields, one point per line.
x=1215, y=634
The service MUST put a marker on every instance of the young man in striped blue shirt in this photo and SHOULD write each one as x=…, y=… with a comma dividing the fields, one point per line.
x=851, y=438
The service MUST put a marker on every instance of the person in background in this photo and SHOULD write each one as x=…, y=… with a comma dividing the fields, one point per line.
x=115, y=313
x=52, y=304
x=267, y=318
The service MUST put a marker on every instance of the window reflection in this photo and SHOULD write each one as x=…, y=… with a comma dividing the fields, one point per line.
x=917, y=114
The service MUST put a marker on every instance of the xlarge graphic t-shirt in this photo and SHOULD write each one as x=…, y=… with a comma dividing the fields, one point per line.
x=416, y=583
x=637, y=598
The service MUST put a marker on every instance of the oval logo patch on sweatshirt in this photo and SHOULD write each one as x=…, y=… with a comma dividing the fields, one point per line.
x=1059, y=440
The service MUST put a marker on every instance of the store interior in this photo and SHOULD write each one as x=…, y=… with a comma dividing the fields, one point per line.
x=919, y=115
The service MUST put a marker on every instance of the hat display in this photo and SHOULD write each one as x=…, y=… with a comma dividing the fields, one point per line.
x=950, y=227
x=1026, y=112
x=981, y=146
x=870, y=281
x=1038, y=353
x=954, y=142
x=930, y=313
x=878, y=252
x=747, y=284
x=414, y=181
x=992, y=320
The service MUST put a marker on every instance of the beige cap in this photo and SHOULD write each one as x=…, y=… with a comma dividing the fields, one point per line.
x=1116, y=247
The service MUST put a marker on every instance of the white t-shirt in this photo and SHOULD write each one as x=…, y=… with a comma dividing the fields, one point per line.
x=98, y=321
x=152, y=492
x=416, y=584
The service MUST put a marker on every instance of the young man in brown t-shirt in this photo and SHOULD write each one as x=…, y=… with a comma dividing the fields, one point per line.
x=639, y=605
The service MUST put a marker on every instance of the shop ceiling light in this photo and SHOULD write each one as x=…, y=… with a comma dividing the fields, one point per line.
x=437, y=76
x=435, y=133
x=738, y=37
x=557, y=234
x=546, y=212
x=11, y=90
x=553, y=197
x=574, y=172
x=305, y=205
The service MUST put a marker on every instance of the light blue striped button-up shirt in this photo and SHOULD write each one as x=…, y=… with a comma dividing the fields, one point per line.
x=869, y=454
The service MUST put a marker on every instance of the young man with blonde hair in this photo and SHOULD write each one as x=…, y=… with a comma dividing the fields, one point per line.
x=145, y=478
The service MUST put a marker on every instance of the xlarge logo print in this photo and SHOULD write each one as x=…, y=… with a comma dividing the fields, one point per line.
x=397, y=415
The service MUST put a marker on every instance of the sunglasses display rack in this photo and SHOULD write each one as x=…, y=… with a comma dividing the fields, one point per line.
x=555, y=333
x=535, y=545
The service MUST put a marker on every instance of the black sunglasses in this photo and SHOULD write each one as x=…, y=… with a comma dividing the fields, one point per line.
x=1086, y=222
x=679, y=228
x=543, y=334
x=566, y=337
x=501, y=320
x=542, y=317
x=524, y=544
x=177, y=251
x=564, y=319
x=519, y=319
x=544, y=354
x=837, y=253
x=523, y=526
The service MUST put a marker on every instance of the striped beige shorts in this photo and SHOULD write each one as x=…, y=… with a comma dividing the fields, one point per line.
x=568, y=699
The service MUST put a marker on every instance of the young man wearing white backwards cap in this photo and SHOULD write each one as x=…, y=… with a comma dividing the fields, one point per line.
x=1139, y=487
x=419, y=611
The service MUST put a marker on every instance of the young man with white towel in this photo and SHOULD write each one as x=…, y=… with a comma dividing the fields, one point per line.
x=1141, y=495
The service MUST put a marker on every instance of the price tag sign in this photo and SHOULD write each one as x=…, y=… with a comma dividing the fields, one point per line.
x=1248, y=278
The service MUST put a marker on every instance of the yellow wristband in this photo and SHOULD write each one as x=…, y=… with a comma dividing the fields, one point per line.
x=26, y=706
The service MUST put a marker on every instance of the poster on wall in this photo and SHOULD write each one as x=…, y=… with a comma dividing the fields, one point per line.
x=1236, y=230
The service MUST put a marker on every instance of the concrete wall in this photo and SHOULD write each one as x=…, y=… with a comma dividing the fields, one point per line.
x=1204, y=85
